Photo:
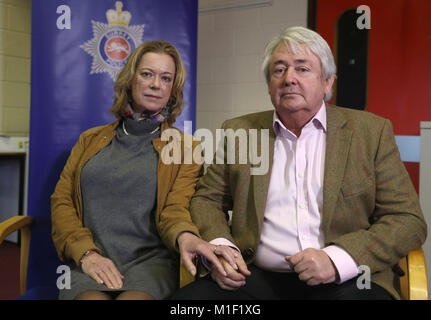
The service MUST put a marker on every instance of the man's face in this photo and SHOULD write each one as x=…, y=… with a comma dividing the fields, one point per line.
x=295, y=82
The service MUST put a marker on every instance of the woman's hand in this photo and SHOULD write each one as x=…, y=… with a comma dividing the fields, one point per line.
x=232, y=279
x=191, y=245
x=102, y=270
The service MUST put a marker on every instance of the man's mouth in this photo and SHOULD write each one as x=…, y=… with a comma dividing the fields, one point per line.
x=289, y=94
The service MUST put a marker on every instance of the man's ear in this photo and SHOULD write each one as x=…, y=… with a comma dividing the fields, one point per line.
x=329, y=82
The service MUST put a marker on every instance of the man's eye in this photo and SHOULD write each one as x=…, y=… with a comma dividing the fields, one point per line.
x=279, y=70
x=302, y=69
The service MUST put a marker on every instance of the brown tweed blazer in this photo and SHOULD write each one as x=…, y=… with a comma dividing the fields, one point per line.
x=370, y=207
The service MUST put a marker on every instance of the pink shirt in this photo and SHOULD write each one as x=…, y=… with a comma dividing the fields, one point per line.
x=292, y=220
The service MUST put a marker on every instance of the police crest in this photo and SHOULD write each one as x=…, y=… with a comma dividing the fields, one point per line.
x=113, y=43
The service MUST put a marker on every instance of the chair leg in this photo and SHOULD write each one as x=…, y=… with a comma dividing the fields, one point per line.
x=25, y=249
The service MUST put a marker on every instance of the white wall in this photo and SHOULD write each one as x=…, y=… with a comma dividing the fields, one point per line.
x=230, y=51
x=15, y=44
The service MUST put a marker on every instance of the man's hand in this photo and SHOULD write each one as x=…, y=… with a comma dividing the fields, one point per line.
x=313, y=266
x=190, y=246
x=102, y=270
x=233, y=279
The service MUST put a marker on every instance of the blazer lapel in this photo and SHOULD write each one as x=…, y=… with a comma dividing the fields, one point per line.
x=261, y=182
x=338, y=141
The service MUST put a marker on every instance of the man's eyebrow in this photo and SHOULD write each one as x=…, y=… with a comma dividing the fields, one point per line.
x=296, y=61
x=279, y=62
x=300, y=61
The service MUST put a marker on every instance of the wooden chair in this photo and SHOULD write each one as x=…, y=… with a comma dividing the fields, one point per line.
x=413, y=284
x=13, y=224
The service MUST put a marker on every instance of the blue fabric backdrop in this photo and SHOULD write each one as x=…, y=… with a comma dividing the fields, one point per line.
x=72, y=87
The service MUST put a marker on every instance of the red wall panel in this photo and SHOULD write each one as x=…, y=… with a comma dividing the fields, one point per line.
x=399, y=71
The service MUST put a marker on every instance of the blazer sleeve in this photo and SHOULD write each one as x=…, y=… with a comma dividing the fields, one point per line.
x=212, y=201
x=70, y=238
x=175, y=215
x=397, y=225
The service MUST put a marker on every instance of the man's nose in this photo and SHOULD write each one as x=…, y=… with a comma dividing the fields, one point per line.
x=290, y=76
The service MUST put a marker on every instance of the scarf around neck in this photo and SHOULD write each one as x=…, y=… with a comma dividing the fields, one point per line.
x=159, y=117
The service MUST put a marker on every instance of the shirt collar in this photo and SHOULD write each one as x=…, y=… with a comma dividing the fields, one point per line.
x=319, y=121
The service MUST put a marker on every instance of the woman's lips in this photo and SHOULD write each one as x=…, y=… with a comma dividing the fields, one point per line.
x=152, y=97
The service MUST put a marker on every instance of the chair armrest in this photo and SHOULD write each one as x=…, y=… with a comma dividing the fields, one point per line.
x=418, y=285
x=13, y=224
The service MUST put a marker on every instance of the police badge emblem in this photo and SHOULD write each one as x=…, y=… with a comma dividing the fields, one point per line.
x=112, y=43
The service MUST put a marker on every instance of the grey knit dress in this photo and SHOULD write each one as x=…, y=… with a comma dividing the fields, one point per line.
x=119, y=192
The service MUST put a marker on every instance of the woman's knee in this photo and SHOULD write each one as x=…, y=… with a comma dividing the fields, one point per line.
x=93, y=295
x=134, y=295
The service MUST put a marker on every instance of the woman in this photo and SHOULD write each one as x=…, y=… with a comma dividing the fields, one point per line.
x=118, y=212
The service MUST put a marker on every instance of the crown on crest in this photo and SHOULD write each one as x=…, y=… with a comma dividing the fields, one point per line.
x=118, y=17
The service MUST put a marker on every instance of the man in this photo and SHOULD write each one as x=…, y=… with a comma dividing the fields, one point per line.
x=336, y=198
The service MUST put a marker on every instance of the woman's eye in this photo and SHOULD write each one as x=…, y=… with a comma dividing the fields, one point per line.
x=167, y=79
x=146, y=74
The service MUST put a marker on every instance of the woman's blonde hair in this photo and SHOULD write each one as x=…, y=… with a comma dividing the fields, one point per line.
x=122, y=87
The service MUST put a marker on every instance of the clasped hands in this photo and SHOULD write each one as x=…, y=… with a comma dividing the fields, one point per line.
x=312, y=266
x=229, y=269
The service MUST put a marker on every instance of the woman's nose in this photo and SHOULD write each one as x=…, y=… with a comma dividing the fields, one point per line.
x=156, y=82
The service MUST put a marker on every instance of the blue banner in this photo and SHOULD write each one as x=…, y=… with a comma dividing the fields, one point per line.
x=78, y=48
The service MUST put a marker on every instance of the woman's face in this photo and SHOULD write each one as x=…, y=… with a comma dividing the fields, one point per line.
x=152, y=83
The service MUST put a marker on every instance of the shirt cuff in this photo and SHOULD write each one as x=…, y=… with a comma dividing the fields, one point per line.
x=346, y=266
x=218, y=242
